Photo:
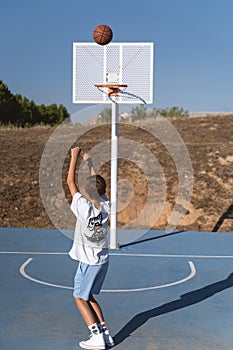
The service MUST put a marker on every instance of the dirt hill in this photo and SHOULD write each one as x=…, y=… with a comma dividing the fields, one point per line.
x=209, y=141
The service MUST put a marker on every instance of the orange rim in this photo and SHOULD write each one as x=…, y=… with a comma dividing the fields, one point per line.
x=113, y=88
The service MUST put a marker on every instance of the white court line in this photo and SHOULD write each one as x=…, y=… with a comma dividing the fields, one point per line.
x=35, y=253
x=24, y=274
x=177, y=255
x=191, y=275
x=132, y=254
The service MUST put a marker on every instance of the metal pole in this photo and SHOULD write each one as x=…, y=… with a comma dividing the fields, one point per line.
x=114, y=173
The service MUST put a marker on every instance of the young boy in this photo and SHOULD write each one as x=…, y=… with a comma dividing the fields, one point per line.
x=90, y=247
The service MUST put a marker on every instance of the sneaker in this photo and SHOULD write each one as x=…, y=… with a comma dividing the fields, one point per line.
x=94, y=342
x=108, y=339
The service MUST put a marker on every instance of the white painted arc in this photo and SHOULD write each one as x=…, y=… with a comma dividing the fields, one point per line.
x=191, y=275
x=24, y=274
x=27, y=276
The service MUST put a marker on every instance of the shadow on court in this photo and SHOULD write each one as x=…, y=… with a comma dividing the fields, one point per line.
x=151, y=238
x=227, y=215
x=185, y=300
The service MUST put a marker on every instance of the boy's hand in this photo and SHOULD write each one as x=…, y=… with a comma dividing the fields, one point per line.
x=86, y=156
x=75, y=151
x=88, y=159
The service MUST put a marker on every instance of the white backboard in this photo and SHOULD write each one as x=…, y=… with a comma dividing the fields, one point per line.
x=123, y=63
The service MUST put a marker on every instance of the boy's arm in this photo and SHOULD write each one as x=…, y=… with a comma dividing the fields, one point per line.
x=88, y=159
x=71, y=173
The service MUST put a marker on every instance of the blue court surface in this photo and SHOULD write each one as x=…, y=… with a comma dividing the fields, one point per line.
x=165, y=291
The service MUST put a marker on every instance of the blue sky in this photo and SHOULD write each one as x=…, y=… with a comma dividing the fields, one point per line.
x=193, y=47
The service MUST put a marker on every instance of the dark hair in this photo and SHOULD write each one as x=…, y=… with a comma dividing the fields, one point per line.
x=95, y=186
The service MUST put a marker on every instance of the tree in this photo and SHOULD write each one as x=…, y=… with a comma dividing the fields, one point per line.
x=104, y=116
x=138, y=113
x=19, y=111
x=170, y=112
x=9, y=108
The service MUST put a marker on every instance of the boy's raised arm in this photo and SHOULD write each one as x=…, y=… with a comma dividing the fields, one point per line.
x=88, y=159
x=71, y=173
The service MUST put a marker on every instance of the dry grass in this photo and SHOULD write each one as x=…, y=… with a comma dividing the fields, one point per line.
x=209, y=141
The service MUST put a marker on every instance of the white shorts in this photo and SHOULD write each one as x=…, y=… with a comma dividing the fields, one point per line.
x=89, y=279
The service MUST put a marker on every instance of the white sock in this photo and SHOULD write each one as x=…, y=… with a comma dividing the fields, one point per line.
x=102, y=326
x=94, y=329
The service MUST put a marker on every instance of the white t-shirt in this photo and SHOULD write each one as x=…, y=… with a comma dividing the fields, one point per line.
x=90, y=243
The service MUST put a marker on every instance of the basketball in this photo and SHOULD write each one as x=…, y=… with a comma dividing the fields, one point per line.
x=102, y=34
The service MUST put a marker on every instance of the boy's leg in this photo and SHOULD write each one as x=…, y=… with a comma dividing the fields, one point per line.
x=86, y=311
x=96, y=340
x=101, y=324
x=90, y=277
x=96, y=308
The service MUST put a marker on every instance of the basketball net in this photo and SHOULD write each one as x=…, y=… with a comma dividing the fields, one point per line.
x=116, y=92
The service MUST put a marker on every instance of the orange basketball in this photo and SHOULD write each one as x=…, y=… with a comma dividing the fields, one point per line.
x=102, y=34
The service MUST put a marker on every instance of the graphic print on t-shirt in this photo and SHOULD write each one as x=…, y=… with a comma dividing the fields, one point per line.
x=95, y=224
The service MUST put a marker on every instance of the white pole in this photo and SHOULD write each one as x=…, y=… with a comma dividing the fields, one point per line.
x=114, y=156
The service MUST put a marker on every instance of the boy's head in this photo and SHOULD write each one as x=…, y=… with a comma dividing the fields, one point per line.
x=95, y=186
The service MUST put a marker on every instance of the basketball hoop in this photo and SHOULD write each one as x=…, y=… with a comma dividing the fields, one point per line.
x=117, y=91
x=113, y=89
